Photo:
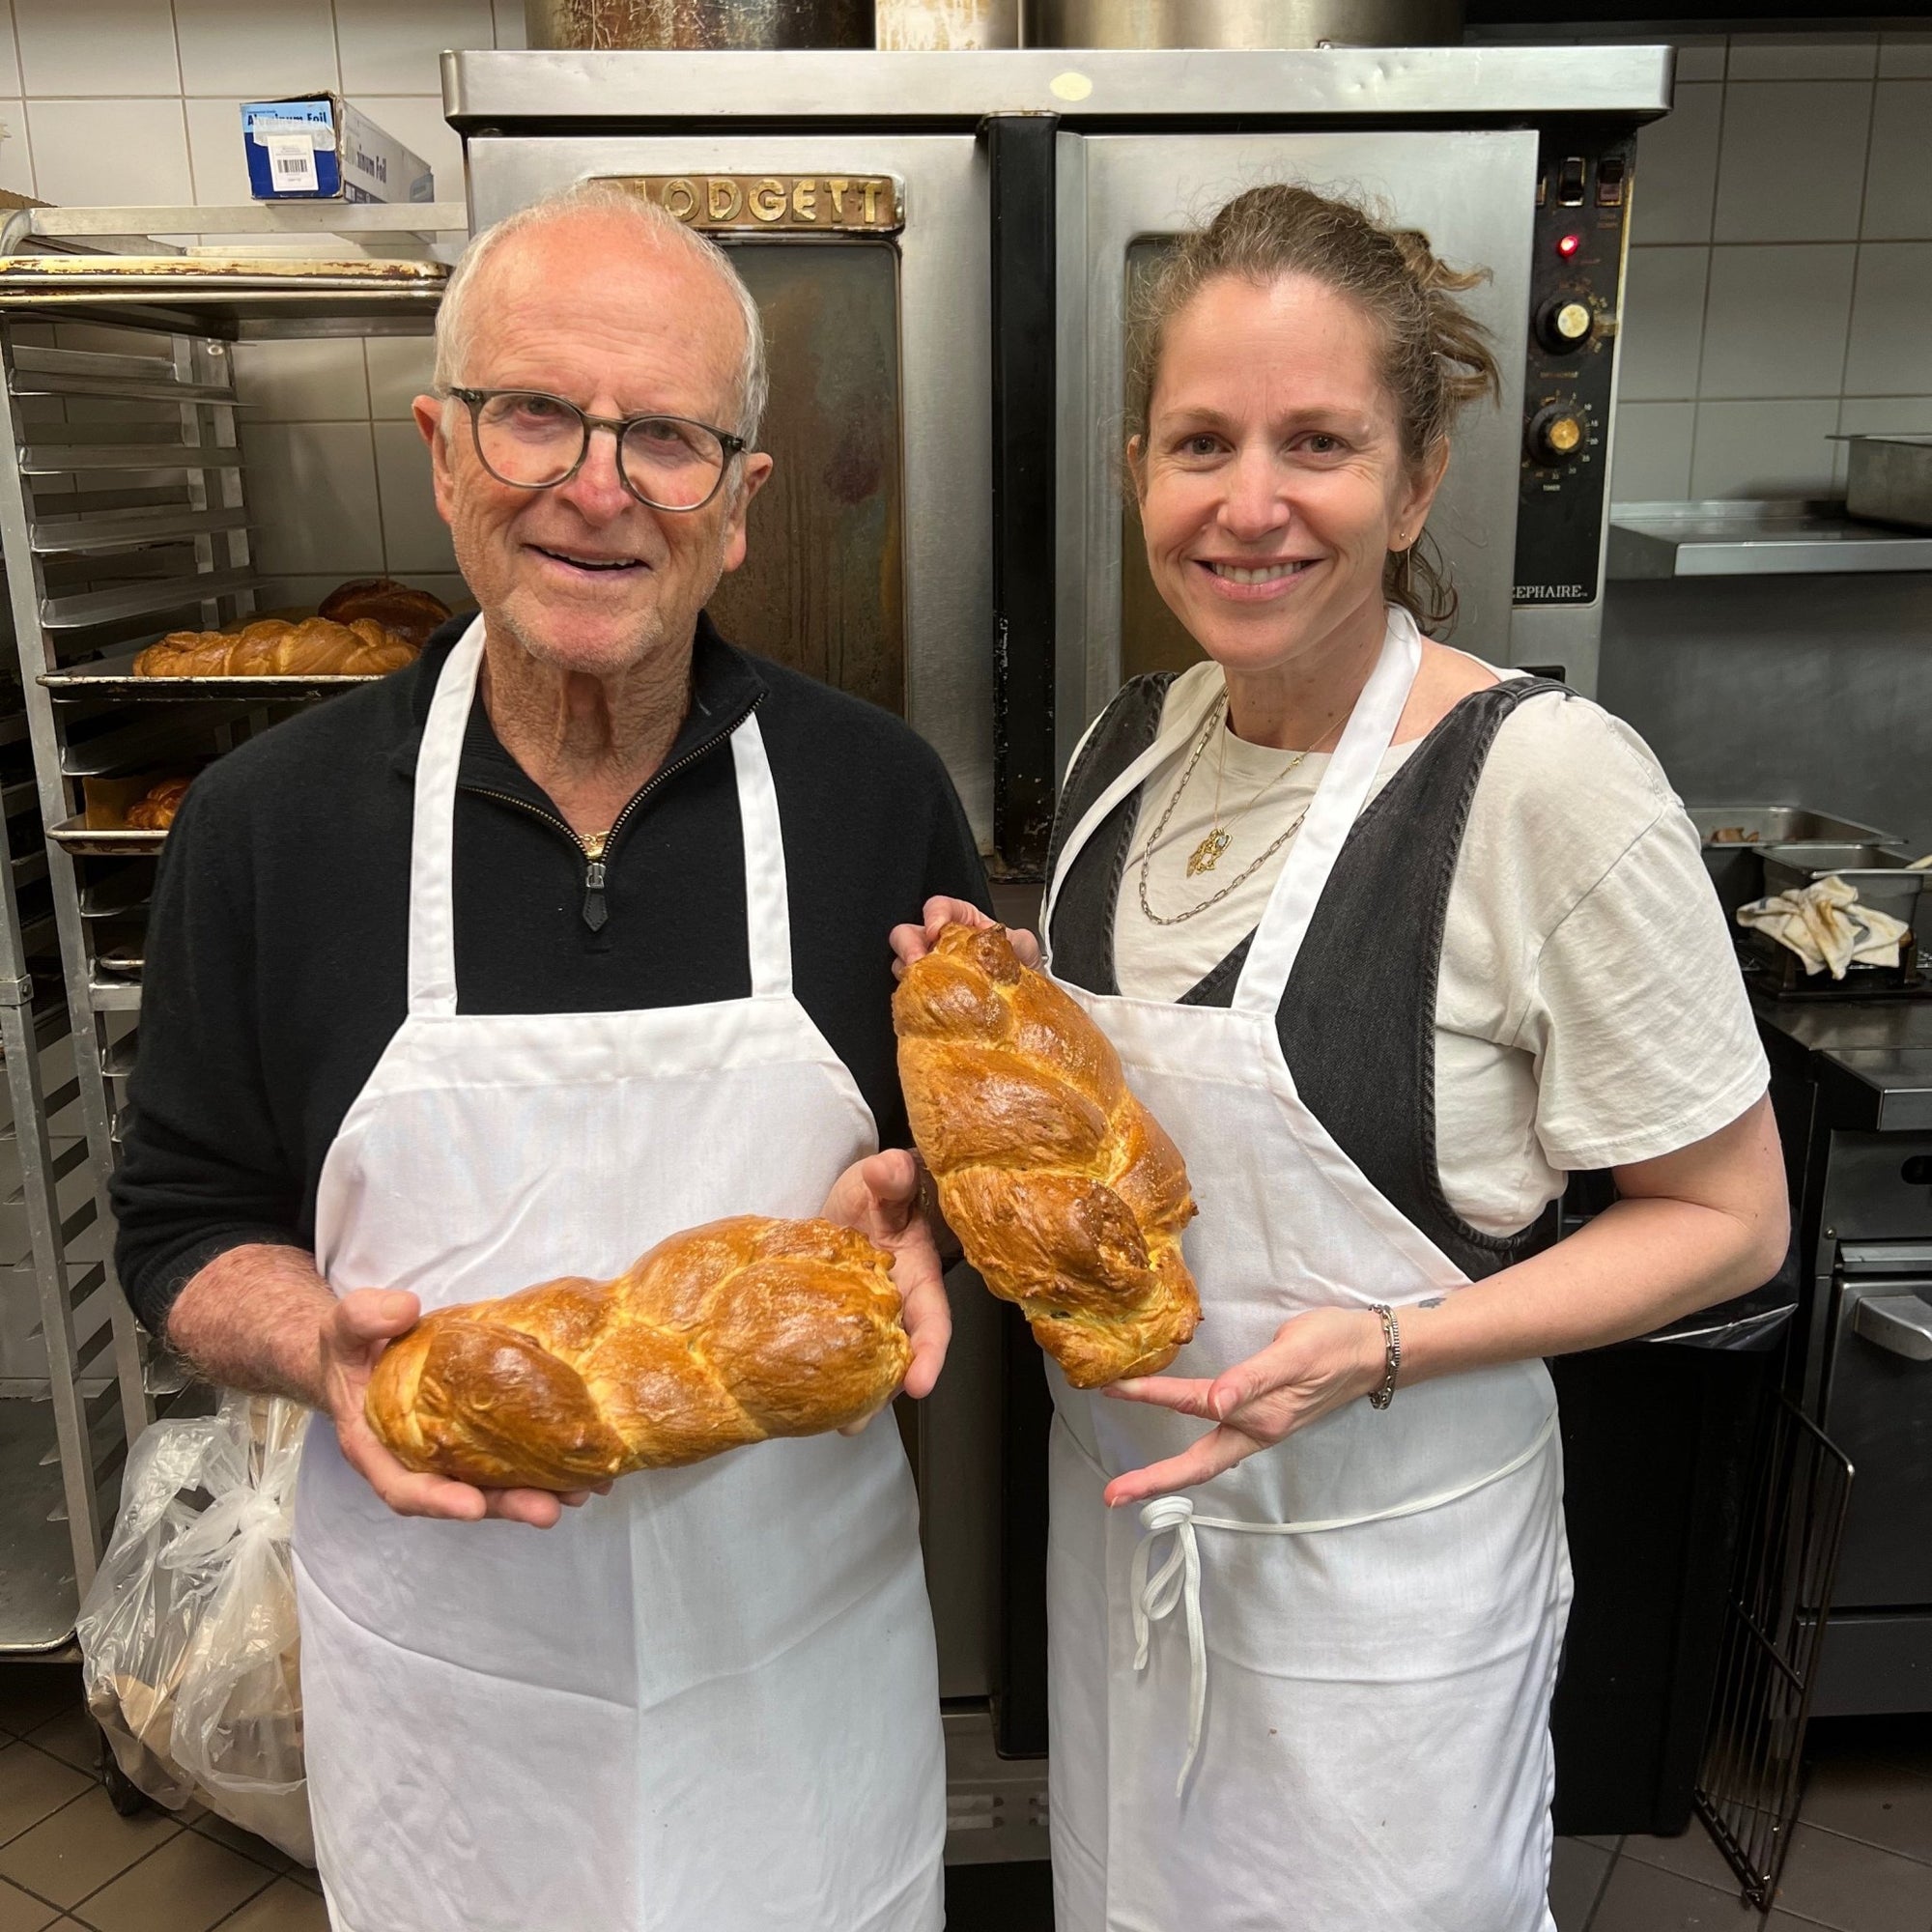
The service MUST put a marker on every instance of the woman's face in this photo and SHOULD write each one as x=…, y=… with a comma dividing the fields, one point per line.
x=1271, y=479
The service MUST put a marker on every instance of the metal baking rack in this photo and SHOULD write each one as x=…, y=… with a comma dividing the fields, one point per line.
x=124, y=515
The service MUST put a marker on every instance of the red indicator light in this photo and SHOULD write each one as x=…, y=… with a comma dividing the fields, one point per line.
x=1568, y=244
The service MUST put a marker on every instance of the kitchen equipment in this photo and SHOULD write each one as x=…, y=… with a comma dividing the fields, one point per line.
x=942, y=249
x=921, y=26
x=1889, y=478
x=1736, y=864
x=1243, y=23
x=1885, y=881
x=699, y=24
x=1854, y=1083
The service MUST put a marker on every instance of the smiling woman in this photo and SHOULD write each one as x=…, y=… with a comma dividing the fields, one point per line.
x=1379, y=934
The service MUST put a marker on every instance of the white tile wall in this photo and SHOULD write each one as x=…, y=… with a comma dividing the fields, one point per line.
x=139, y=101
x=1780, y=273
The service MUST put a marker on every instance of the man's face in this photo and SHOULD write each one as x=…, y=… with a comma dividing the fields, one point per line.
x=592, y=309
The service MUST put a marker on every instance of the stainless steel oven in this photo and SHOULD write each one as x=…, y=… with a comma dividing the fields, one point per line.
x=943, y=246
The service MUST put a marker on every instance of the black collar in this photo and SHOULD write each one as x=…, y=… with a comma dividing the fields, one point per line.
x=724, y=686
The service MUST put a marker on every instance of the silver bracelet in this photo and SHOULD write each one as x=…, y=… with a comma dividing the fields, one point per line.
x=1392, y=1356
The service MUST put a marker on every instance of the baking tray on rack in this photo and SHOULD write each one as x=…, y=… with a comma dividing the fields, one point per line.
x=97, y=841
x=115, y=679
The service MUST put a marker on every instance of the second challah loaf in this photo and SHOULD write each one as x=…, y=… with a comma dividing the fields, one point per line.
x=1063, y=1190
x=722, y=1335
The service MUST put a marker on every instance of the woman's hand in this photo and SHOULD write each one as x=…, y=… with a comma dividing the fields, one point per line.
x=354, y=1332
x=880, y=1196
x=1316, y=1363
x=914, y=942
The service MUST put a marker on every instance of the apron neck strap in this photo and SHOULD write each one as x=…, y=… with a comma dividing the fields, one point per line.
x=1178, y=721
x=432, y=968
x=1337, y=804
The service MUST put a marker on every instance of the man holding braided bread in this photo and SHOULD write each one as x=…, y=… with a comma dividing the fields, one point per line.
x=549, y=950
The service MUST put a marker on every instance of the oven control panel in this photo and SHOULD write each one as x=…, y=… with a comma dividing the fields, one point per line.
x=1582, y=207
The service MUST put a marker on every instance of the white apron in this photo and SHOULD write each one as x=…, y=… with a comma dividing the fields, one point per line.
x=1313, y=1694
x=708, y=1699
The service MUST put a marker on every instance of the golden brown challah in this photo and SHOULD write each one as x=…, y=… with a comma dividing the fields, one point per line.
x=155, y=811
x=411, y=615
x=722, y=1335
x=1063, y=1190
x=278, y=647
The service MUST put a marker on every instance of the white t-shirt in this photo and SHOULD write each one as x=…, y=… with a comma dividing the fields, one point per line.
x=1589, y=1010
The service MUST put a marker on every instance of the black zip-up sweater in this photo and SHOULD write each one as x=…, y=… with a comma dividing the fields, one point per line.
x=278, y=938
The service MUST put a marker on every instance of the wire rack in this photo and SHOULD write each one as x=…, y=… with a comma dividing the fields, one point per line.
x=1748, y=1788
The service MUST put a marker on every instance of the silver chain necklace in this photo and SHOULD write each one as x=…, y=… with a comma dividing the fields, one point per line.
x=1154, y=838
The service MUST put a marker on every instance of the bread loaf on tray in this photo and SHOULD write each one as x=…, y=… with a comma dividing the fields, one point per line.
x=722, y=1335
x=155, y=811
x=411, y=615
x=1063, y=1190
x=278, y=647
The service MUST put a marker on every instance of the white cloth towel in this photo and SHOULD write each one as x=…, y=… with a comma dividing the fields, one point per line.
x=1827, y=928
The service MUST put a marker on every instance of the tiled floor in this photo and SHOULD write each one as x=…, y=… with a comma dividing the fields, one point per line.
x=1861, y=1862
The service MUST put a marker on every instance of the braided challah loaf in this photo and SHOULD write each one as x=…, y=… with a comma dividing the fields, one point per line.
x=278, y=647
x=722, y=1335
x=1063, y=1190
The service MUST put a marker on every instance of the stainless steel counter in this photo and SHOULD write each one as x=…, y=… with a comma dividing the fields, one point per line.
x=1783, y=538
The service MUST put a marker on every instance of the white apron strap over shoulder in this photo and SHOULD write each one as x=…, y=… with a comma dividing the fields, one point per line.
x=432, y=899
x=1336, y=806
x=1178, y=723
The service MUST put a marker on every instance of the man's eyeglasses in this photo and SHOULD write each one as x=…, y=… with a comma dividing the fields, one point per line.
x=531, y=441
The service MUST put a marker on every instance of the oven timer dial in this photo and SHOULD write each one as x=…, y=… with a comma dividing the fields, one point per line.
x=1557, y=434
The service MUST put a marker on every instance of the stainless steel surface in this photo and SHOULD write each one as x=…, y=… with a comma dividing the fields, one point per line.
x=1899, y=1323
x=738, y=24
x=1781, y=825
x=1443, y=85
x=75, y=835
x=926, y=27
x=1885, y=880
x=1773, y=689
x=39, y=1590
x=248, y=217
x=944, y=303
x=995, y=1807
x=111, y=678
x=1876, y=1397
x=1470, y=190
x=1779, y=538
x=1243, y=23
x=1889, y=477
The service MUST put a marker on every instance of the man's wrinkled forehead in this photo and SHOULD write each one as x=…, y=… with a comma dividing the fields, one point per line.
x=605, y=297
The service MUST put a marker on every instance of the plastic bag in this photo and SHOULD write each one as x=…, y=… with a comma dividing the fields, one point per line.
x=190, y=1654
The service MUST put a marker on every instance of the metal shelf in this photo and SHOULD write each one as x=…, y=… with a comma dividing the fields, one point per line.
x=102, y=533
x=1773, y=538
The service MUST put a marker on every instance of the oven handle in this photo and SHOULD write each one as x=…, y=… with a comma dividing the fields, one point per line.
x=1899, y=1323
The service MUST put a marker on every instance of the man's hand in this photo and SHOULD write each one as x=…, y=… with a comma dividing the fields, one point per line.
x=879, y=1197
x=914, y=942
x=1316, y=1363
x=354, y=1332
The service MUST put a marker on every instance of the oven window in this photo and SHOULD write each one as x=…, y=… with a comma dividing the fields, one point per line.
x=823, y=587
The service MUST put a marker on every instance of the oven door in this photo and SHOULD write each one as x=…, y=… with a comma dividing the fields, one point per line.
x=866, y=254
x=1121, y=199
x=1878, y=1409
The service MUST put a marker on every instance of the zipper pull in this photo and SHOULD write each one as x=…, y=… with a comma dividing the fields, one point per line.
x=595, y=913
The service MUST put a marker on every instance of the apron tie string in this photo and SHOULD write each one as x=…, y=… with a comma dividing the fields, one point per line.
x=1178, y=1580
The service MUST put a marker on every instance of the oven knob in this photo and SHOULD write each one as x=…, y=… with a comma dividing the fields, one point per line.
x=1565, y=325
x=1556, y=434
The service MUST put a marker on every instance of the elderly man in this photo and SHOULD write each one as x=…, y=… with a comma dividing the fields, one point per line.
x=567, y=937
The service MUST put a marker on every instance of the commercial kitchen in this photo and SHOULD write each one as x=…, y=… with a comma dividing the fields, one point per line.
x=1696, y=496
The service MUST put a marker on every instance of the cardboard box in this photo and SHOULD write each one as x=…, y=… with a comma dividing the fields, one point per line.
x=318, y=148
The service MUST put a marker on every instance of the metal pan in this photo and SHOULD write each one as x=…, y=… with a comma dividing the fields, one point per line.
x=116, y=681
x=75, y=835
x=1885, y=881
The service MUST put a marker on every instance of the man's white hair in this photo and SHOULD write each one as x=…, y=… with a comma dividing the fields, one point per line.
x=600, y=197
